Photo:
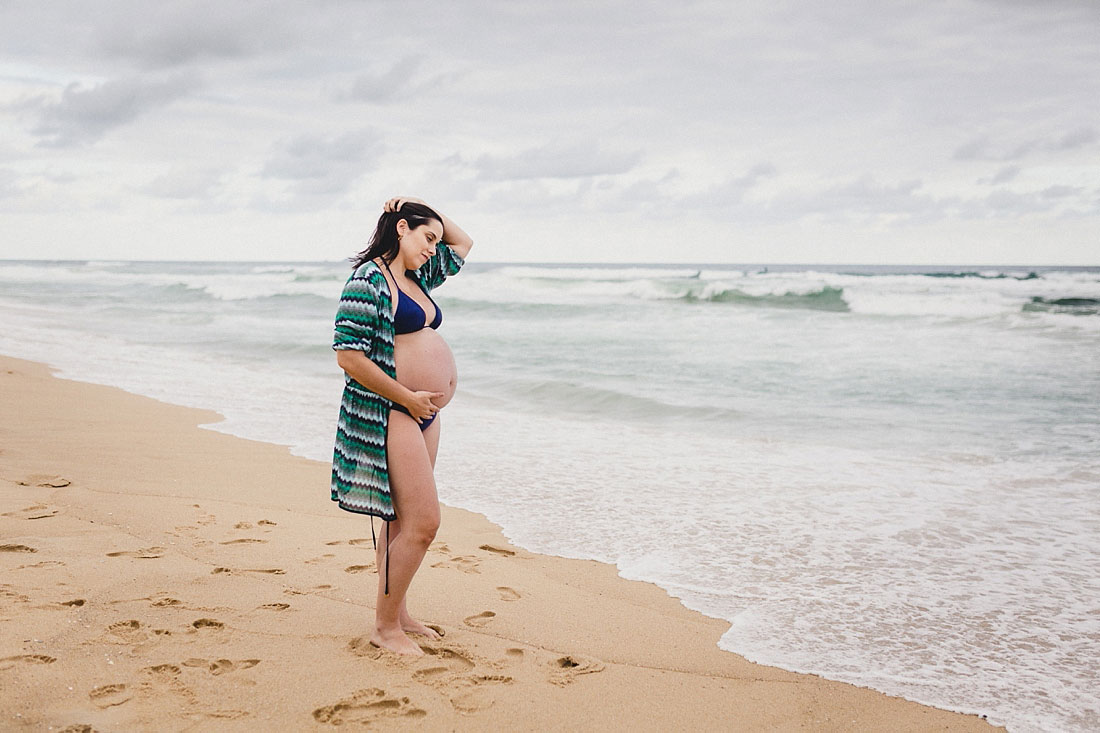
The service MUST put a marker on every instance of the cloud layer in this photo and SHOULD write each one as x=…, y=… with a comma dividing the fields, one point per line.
x=84, y=114
x=750, y=128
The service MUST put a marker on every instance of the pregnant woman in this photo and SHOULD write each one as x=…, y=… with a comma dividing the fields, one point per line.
x=398, y=374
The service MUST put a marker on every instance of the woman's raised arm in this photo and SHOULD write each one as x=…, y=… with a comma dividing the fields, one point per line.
x=453, y=235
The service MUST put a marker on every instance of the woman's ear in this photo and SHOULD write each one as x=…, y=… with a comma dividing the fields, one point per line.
x=402, y=227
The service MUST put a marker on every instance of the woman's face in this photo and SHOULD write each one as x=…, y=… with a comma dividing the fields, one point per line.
x=418, y=245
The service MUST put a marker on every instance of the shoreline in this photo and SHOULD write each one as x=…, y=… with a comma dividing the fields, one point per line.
x=152, y=568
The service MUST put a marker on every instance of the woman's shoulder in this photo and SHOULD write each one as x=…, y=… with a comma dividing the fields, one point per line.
x=368, y=271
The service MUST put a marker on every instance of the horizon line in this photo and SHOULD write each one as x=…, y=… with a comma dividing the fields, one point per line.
x=578, y=262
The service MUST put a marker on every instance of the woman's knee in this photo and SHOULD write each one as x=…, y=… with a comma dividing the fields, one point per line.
x=422, y=531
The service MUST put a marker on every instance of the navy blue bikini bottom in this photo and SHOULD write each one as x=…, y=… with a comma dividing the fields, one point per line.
x=424, y=425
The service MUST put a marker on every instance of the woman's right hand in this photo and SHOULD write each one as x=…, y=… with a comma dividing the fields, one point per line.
x=420, y=405
x=397, y=202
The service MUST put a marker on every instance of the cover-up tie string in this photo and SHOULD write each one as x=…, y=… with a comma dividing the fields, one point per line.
x=374, y=544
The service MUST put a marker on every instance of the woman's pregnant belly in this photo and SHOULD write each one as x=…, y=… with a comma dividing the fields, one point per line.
x=425, y=362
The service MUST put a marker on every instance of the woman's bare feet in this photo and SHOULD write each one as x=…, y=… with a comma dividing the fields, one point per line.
x=412, y=626
x=396, y=641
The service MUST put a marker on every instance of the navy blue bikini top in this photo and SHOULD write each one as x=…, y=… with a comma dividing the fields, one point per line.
x=410, y=316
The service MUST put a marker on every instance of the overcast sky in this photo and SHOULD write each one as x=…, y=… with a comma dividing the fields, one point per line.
x=815, y=132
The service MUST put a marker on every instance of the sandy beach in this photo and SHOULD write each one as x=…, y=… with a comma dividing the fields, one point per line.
x=159, y=576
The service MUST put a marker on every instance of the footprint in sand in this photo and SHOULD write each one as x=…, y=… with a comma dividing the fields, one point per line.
x=161, y=683
x=475, y=693
x=37, y=511
x=62, y=605
x=465, y=563
x=208, y=623
x=7, y=592
x=221, y=666
x=358, y=568
x=498, y=550
x=16, y=548
x=320, y=558
x=243, y=541
x=360, y=646
x=43, y=564
x=275, y=606
x=568, y=668
x=227, y=571
x=129, y=631
x=106, y=696
x=361, y=541
x=367, y=706
x=450, y=671
x=165, y=602
x=311, y=591
x=164, y=670
x=508, y=594
x=480, y=619
x=45, y=480
x=248, y=525
x=453, y=658
x=442, y=665
x=440, y=547
x=147, y=553
x=9, y=662
x=184, y=530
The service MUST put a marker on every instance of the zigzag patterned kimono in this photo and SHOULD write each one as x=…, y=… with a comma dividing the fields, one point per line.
x=364, y=322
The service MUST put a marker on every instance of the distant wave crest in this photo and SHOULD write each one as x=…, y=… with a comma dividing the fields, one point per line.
x=1071, y=306
x=826, y=299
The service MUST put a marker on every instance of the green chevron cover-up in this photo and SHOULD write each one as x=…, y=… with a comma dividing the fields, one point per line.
x=364, y=322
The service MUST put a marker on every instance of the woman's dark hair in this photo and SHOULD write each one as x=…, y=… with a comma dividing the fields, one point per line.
x=384, y=241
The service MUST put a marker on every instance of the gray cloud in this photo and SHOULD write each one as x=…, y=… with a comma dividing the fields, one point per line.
x=401, y=81
x=324, y=165
x=1060, y=191
x=907, y=202
x=85, y=114
x=173, y=34
x=9, y=183
x=186, y=184
x=860, y=198
x=733, y=190
x=556, y=160
x=984, y=148
x=1004, y=175
x=1005, y=202
x=1075, y=139
x=382, y=86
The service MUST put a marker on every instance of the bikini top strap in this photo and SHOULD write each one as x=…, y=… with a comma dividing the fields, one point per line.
x=387, y=266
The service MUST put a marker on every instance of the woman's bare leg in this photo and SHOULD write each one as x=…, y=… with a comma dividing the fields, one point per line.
x=416, y=503
x=408, y=623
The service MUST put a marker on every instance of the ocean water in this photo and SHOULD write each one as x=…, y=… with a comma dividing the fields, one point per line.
x=883, y=475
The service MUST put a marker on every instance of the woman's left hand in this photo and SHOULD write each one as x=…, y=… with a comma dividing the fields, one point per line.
x=396, y=202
